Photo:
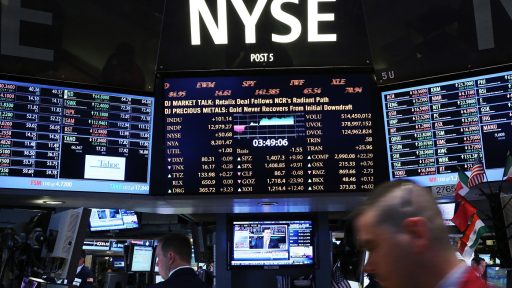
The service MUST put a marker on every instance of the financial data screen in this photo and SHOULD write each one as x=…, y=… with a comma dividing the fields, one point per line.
x=61, y=138
x=434, y=129
x=269, y=134
x=261, y=243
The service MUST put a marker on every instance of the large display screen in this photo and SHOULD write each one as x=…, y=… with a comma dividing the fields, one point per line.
x=434, y=129
x=112, y=219
x=272, y=243
x=269, y=133
x=62, y=138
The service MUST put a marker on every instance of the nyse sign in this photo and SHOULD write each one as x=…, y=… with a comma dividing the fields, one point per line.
x=234, y=34
x=219, y=31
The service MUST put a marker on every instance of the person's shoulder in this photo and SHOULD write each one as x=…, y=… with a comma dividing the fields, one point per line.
x=158, y=285
x=472, y=280
x=186, y=278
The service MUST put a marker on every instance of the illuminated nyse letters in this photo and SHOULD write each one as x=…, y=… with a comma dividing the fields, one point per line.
x=12, y=15
x=219, y=33
x=294, y=23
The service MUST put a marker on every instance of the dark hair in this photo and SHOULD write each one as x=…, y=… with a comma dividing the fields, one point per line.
x=477, y=260
x=178, y=243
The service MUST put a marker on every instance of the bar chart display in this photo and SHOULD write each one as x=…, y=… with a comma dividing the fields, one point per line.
x=61, y=138
x=433, y=130
x=269, y=134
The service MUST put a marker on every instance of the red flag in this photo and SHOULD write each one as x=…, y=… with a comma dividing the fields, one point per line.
x=463, y=215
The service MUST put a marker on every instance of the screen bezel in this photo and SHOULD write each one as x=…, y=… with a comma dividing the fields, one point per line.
x=137, y=214
x=99, y=88
x=272, y=217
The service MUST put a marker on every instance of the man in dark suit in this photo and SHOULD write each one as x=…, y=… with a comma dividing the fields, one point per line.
x=174, y=254
x=266, y=242
x=84, y=277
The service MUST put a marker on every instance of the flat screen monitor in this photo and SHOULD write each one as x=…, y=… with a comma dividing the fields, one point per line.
x=282, y=133
x=433, y=130
x=497, y=277
x=112, y=219
x=272, y=243
x=61, y=137
x=447, y=212
x=115, y=279
x=142, y=258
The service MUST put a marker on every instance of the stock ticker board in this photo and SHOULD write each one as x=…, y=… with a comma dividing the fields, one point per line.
x=70, y=139
x=269, y=134
x=434, y=129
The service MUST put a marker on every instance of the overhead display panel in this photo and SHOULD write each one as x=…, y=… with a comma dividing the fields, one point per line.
x=435, y=129
x=281, y=133
x=414, y=39
x=71, y=139
x=234, y=34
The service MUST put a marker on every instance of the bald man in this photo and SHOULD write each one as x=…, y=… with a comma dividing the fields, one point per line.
x=401, y=227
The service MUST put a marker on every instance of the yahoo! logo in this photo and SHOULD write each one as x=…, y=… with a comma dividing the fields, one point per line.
x=219, y=31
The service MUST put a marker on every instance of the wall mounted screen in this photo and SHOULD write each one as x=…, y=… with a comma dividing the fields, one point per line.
x=112, y=219
x=434, y=129
x=62, y=138
x=272, y=243
x=269, y=134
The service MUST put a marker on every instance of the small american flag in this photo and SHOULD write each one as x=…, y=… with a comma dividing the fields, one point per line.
x=477, y=173
x=338, y=281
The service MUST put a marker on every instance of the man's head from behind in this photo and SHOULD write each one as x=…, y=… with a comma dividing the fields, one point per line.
x=478, y=264
x=400, y=226
x=173, y=250
x=81, y=260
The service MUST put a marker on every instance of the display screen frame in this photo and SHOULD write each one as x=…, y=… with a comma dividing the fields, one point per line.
x=160, y=176
x=269, y=220
x=87, y=185
x=495, y=175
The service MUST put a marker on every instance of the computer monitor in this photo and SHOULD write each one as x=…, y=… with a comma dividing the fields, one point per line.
x=272, y=243
x=115, y=279
x=497, y=277
x=141, y=258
